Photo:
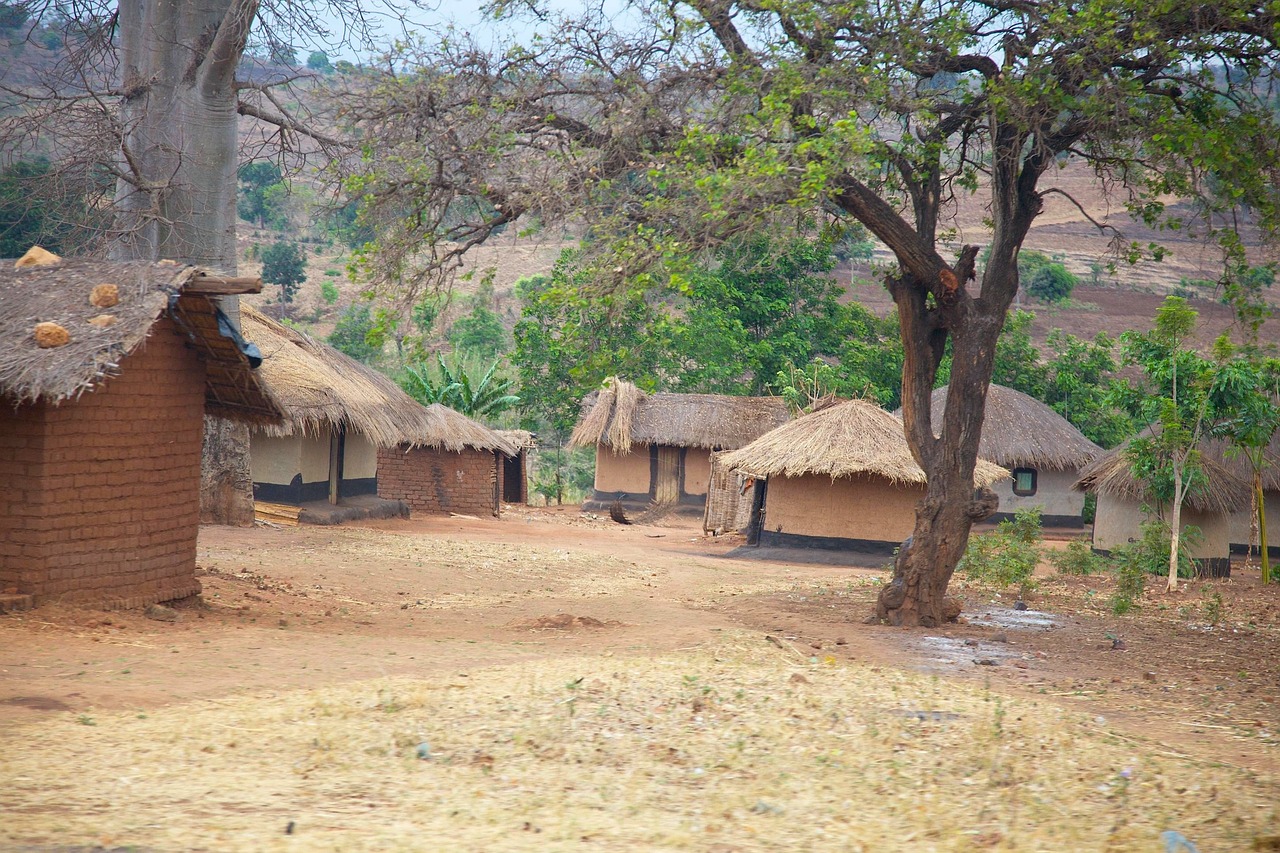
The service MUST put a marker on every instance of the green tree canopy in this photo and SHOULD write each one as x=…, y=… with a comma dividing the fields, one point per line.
x=283, y=263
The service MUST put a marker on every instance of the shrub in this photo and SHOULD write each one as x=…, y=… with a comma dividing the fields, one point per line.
x=1077, y=559
x=329, y=292
x=1007, y=555
x=1051, y=282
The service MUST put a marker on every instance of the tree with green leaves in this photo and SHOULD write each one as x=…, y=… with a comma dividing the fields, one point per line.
x=479, y=332
x=1078, y=379
x=710, y=120
x=1052, y=282
x=357, y=334
x=1186, y=397
x=283, y=263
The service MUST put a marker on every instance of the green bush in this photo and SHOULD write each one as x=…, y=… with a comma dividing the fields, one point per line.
x=329, y=292
x=1006, y=556
x=1051, y=282
x=1149, y=555
x=1077, y=559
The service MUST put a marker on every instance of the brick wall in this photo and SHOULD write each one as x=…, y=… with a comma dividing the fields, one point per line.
x=101, y=500
x=431, y=480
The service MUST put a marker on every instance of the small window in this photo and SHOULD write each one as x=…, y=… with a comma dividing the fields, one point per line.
x=1024, y=482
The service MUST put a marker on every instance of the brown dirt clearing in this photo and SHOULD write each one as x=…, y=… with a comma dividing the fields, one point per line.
x=297, y=618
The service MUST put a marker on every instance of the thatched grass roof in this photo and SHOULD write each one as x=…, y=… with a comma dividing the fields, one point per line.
x=1019, y=430
x=518, y=438
x=320, y=388
x=1227, y=490
x=841, y=440
x=60, y=293
x=620, y=415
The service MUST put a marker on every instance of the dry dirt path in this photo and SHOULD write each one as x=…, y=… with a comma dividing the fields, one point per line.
x=308, y=607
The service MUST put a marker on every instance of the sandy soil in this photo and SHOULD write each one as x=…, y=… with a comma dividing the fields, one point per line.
x=304, y=607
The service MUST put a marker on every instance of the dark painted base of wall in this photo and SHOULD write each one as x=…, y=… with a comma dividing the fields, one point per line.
x=1065, y=521
x=1273, y=551
x=772, y=539
x=1206, y=567
x=298, y=493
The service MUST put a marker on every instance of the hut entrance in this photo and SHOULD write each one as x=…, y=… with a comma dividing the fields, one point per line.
x=666, y=485
x=337, y=452
x=513, y=478
x=757, y=512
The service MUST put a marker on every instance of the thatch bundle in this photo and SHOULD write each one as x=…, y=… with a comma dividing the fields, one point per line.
x=320, y=389
x=853, y=437
x=64, y=293
x=620, y=415
x=1020, y=431
x=1227, y=488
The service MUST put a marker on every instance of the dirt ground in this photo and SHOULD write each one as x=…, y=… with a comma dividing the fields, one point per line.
x=1198, y=671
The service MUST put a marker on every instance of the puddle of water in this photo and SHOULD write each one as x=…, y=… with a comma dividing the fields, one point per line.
x=1006, y=617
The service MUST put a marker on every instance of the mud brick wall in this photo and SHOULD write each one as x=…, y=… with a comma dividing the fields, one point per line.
x=100, y=501
x=440, y=481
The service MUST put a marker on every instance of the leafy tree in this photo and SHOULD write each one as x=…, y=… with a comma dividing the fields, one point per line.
x=284, y=264
x=1186, y=397
x=1077, y=386
x=1017, y=363
x=13, y=15
x=318, y=60
x=1052, y=283
x=255, y=203
x=357, y=334
x=29, y=217
x=479, y=332
x=329, y=292
x=760, y=114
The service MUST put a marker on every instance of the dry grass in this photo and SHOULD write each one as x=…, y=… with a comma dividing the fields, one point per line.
x=739, y=747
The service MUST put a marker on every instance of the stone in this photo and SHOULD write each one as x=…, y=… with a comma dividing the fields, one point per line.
x=49, y=335
x=104, y=295
x=36, y=257
x=103, y=321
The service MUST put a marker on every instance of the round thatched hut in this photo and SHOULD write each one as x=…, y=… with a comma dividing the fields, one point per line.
x=1121, y=498
x=1041, y=449
x=842, y=477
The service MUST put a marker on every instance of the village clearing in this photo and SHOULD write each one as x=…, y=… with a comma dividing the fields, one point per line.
x=553, y=682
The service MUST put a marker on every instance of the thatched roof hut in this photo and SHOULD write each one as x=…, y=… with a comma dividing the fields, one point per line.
x=841, y=440
x=620, y=415
x=1020, y=431
x=101, y=337
x=321, y=389
x=1227, y=487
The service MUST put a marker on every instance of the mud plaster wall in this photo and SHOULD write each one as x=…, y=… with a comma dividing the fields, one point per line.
x=1053, y=494
x=274, y=459
x=101, y=497
x=1117, y=522
x=697, y=471
x=440, y=481
x=1242, y=522
x=849, y=508
x=627, y=472
x=359, y=457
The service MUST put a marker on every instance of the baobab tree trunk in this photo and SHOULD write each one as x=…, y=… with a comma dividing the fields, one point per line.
x=175, y=195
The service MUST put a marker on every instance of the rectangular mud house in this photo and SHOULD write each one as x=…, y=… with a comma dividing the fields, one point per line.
x=839, y=478
x=450, y=464
x=655, y=449
x=101, y=426
x=1043, y=452
x=338, y=413
x=1122, y=498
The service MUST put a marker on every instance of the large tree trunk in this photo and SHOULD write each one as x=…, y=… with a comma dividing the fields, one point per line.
x=176, y=196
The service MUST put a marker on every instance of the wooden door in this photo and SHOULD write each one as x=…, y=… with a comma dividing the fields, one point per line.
x=666, y=489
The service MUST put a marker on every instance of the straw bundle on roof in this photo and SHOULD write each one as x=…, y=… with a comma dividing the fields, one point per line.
x=320, y=388
x=620, y=415
x=63, y=294
x=1021, y=431
x=1226, y=490
x=853, y=437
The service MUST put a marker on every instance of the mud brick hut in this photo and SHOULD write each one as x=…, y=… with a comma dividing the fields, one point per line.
x=840, y=478
x=1044, y=452
x=450, y=464
x=1211, y=509
x=655, y=449
x=106, y=373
